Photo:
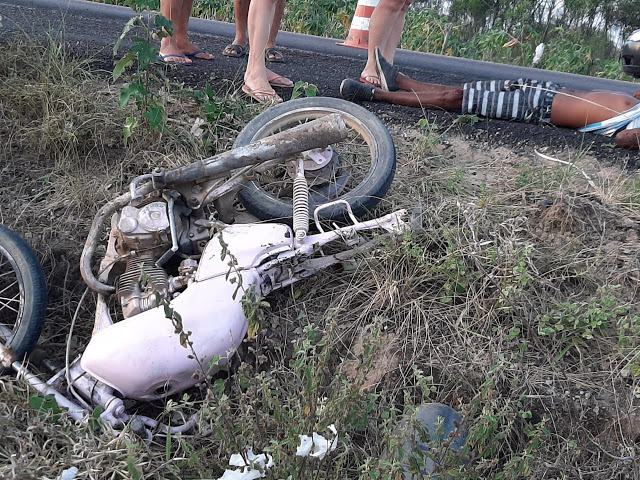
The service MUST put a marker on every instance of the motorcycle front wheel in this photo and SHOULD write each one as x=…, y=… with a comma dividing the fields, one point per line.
x=23, y=294
x=359, y=169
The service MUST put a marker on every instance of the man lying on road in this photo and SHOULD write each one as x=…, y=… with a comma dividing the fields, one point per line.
x=532, y=101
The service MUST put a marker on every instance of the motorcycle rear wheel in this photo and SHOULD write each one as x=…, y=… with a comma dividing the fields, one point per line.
x=362, y=167
x=23, y=294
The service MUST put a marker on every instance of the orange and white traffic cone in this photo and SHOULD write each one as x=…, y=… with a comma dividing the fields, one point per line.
x=359, y=31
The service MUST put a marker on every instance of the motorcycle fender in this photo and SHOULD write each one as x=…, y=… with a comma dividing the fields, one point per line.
x=142, y=357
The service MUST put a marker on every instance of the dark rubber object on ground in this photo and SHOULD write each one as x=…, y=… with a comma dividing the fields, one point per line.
x=21, y=276
x=353, y=90
x=363, y=197
x=435, y=425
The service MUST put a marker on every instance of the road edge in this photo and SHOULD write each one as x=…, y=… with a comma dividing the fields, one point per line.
x=404, y=58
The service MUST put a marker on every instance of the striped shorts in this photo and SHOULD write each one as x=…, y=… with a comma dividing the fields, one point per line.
x=524, y=100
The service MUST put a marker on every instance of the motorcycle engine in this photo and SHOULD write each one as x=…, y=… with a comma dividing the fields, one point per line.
x=147, y=231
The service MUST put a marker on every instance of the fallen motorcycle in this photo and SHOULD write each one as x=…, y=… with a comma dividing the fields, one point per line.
x=176, y=275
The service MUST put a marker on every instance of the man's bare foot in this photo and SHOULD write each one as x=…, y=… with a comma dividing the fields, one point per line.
x=265, y=97
x=170, y=53
x=191, y=51
x=258, y=83
x=637, y=94
x=276, y=80
x=243, y=42
x=234, y=50
x=369, y=75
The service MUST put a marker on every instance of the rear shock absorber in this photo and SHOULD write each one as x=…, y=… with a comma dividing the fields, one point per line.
x=300, y=203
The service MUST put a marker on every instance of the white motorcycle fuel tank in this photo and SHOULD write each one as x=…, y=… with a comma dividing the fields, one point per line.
x=141, y=356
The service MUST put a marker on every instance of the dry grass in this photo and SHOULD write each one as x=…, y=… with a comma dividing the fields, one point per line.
x=452, y=315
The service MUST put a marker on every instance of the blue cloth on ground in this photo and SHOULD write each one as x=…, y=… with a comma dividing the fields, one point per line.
x=628, y=119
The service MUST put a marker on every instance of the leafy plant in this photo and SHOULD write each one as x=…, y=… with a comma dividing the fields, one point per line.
x=303, y=88
x=467, y=119
x=497, y=425
x=47, y=407
x=576, y=323
x=141, y=57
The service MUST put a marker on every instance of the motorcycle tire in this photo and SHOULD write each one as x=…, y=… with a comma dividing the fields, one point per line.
x=23, y=294
x=368, y=155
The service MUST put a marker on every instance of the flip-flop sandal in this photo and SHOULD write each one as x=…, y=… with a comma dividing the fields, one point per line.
x=264, y=97
x=387, y=73
x=280, y=81
x=196, y=53
x=163, y=59
x=367, y=80
x=234, y=50
x=272, y=54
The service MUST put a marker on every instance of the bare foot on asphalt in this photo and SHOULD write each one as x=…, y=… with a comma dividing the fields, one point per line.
x=170, y=52
x=189, y=49
x=258, y=87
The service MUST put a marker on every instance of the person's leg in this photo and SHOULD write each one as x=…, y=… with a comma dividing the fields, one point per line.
x=432, y=96
x=172, y=10
x=241, y=15
x=445, y=98
x=238, y=47
x=577, y=108
x=275, y=24
x=257, y=76
x=381, y=24
x=392, y=79
x=181, y=34
x=410, y=85
x=389, y=48
x=179, y=12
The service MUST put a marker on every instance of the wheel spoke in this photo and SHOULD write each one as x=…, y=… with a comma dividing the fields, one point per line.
x=5, y=303
x=21, y=287
x=15, y=282
x=362, y=162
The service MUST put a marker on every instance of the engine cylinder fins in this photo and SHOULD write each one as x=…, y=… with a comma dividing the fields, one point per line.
x=139, y=284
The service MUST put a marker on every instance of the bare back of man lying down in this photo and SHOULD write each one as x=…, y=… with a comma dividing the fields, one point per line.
x=531, y=101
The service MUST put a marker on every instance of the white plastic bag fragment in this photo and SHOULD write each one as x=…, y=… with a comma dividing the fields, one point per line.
x=197, y=130
x=68, y=474
x=317, y=446
x=262, y=460
x=248, y=472
x=538, y=55
x=240, y=475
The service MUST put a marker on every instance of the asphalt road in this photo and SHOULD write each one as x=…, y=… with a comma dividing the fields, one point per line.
x=93, y=28
x=100, y=23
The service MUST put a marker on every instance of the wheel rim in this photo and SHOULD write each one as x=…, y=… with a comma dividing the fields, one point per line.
x=11, y=297
x=352, y=163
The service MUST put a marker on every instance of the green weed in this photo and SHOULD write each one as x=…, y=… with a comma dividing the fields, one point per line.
x=140, y=87
x=575, y=323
